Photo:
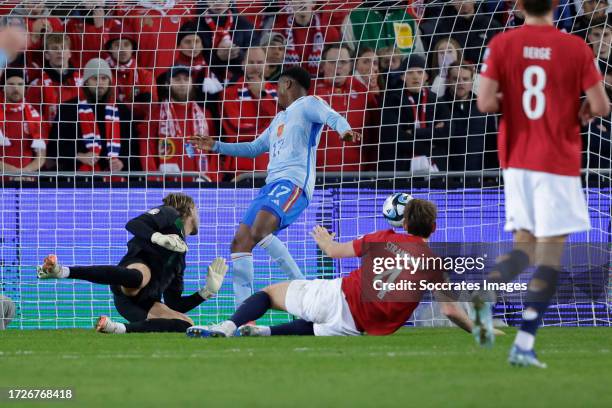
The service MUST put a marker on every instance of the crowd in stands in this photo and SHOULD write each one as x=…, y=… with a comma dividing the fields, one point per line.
x=121, y=86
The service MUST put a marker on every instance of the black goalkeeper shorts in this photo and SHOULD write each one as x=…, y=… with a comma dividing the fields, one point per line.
x=132, y=308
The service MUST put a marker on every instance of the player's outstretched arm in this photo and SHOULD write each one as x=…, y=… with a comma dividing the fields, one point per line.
x=455, y=313
x=331, y=248
x=173, y=295
x=252, y=149
x=318, y=111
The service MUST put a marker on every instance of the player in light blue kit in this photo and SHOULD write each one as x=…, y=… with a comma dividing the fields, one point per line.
x=291, y=139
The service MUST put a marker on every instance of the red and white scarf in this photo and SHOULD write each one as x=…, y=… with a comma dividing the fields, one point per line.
x=220, y=33
x=171, y=126
x=315, y=40
x=419, y=108
x=91, y=132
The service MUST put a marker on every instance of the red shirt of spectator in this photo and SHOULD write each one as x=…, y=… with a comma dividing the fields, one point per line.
x=21, y=139
x=157, y=29
x=164, y=146
x=135, y=86
x=57, y=84
x=87, y=34
x=306, y=36
x=248, y=108
x=349, y=97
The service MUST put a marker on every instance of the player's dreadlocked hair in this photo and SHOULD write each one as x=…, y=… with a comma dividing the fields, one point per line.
x=180, y=202
x=420, y=217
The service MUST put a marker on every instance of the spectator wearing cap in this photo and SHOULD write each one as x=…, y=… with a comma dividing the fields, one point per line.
x=461, y=20
x=86, y=28
x=190, y=50
x=305, y=33
x=164, y=136
x=248, y=107
x=134, y=86
x=414, y=132
x=380, y=24
x=58, y=81
x=274, y=44
x=226, y=36
x=92, y=133
x=22, y=145
x=349, y=97
x=472, y=133
x=190, y=53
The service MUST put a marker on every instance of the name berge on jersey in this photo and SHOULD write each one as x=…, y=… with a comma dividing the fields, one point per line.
x=537, y=53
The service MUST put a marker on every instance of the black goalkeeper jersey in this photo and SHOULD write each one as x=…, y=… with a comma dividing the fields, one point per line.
x=167, y=267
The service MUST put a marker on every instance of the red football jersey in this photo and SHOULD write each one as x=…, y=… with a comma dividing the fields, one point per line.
x=541, y=73
x=380, y=317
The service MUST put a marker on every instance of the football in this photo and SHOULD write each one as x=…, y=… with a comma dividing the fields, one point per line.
x=393, y=208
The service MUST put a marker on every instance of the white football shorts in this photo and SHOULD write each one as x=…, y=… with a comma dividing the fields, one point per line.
x=545, y=204
x=322, y=302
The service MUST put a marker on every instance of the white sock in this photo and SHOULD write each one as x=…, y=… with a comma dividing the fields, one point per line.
x=228, y=327
x=280, y=254
x=265, y=330
x=64, y=272
x=119, y=328
x=524, y=340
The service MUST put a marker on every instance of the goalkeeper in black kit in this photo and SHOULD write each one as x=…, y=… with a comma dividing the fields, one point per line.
x=152, y=268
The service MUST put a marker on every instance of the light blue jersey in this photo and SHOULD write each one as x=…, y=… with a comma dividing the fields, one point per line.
x=292, y=140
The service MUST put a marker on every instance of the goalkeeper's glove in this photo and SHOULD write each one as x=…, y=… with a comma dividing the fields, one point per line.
x=171, y=242
x=214, y=279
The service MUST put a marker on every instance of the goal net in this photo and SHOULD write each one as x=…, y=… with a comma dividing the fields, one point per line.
x=98, y=108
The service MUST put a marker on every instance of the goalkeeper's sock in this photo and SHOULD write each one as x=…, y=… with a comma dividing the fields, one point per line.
x=158, y=326
x=280, y=254
x=251, y=309
x=298, y=327
x=243, y=276
x=107, y=275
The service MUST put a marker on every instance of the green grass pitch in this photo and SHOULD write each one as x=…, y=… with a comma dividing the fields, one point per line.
x=415, y=367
